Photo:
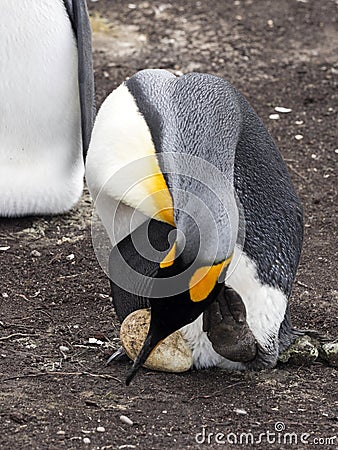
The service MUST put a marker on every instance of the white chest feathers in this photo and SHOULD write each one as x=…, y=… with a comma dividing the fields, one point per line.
x=41, y=166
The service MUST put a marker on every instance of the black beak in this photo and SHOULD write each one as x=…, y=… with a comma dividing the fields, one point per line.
x=165, y=319
x=168, y=315
x=149, y=345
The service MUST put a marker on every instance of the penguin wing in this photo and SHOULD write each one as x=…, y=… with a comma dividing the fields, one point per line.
x=133, y=262
x=78, y=14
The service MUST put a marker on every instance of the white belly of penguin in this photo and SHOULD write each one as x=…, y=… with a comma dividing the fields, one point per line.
x=41, y=168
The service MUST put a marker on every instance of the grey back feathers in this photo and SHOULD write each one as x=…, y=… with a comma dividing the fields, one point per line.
x=187, y=119
x=78, y=14
x=273, y=212
x=205, y=116
x=195, y=114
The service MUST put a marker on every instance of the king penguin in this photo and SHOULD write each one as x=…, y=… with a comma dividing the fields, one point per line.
x=47, y=104
x=184, y=166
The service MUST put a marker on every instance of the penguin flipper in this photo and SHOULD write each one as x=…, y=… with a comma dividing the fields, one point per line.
x=78, y=14
x=127, y=263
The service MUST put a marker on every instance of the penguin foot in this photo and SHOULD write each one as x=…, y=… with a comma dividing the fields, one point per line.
x=171, y=355
x=309, y=349
x=225, y=323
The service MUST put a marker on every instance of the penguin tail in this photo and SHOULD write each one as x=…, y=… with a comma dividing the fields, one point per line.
x=288, y=334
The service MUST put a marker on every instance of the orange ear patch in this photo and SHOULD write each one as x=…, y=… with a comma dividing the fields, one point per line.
x=204, y=280
x=160, y=195
x=170, y=257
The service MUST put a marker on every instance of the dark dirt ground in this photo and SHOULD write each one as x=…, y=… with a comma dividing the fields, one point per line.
x=278, y=54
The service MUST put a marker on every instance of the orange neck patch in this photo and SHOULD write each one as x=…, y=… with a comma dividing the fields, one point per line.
x=170, y=257
x=204, y=280
x=160, y=195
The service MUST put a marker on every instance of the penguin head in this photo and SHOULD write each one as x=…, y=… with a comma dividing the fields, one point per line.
x=182, y=289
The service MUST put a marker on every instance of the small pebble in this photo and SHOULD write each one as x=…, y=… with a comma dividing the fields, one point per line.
x=4, y=249
x=330, y=350
x=35, y=253
x=63, y=349
x=4, y=295
x=70, y=257
x=178, y=73
x=299, y=137
x=86, y=440
x=299, y=122
x=240, y=411
x=95, y=341
x=60, y=433
x=274, y=116
x=100, y=429
x=126, y=420
x=281, y=109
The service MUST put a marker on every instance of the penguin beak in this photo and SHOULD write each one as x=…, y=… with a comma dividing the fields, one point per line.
x=152, y=340
x=169, y=314
x=155, y=336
